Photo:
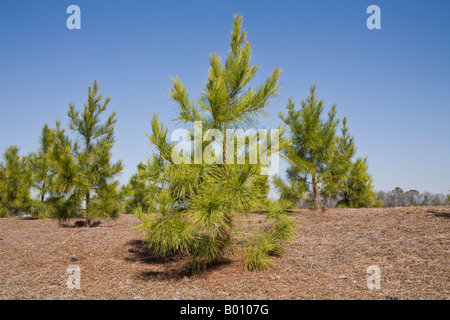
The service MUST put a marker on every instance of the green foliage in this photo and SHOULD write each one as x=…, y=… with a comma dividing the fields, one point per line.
x=281, y=228
x=260, y=255
x=357, y=189
x=166, y=234
x=197, y=202
x=338, y=171
x=41, y=164
x=15, y=182
x=65, y=207
x=292, y=191
x=139, y=192
x=43, y=172
x=106, y=202
x=284, y=224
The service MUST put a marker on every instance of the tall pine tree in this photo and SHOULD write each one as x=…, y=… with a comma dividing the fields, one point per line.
x=93, y=156
x=84, y=171
x=311, y=145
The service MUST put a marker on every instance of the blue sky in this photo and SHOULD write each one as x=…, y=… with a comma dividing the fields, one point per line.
x=392, y=84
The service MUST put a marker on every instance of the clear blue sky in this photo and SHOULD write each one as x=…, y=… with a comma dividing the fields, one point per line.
x=393, y=84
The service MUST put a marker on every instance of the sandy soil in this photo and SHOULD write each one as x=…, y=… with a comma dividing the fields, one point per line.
x=328, y=259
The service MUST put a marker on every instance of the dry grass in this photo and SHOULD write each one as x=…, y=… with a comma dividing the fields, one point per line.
x=328, y=259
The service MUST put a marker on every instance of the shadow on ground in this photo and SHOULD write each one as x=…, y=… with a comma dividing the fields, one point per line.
x=80, y=224
x=444, y=215
x=175, y=267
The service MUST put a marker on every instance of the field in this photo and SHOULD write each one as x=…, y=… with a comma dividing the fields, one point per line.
x=328, y=259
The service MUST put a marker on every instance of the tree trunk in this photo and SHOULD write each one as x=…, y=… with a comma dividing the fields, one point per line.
x=346, y=199
x=43, y=194
x=224, y=146
x=315, y=193
x=225, y=127
x=88, y=204
x=88, y=195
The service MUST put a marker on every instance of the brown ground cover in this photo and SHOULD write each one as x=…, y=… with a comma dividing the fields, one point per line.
x=328, y=259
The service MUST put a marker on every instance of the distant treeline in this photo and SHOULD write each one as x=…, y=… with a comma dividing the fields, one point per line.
x=389, y=199
x=400, y=198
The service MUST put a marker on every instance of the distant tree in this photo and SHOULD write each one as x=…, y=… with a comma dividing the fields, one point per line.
x=15, y=183
x=398, y=196
x=411, y=198
x=312, y=144
x=437, y=199
x=380, y=197
x=426, y=198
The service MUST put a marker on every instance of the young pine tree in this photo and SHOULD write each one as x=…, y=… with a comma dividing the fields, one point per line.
x=66, y=190
x=15, y=181
x=311, y=146
x=41, y=164
x=357, y=190
x=84, y=171
x=335, y=178
x=198, y=202
x=346, y=179
x=93, y=156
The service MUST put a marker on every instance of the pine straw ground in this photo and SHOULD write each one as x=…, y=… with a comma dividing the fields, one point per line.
x=328, y=259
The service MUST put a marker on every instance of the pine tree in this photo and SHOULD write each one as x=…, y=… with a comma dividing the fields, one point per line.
x=337, y=174
x=348, y=180
x=357, y=190
x=41, y=164
x=312, y=144
x=197, y=202
x=93, y=155
x=139, y=192
x=83, y=168
x=15, y=181
x=66, y=190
